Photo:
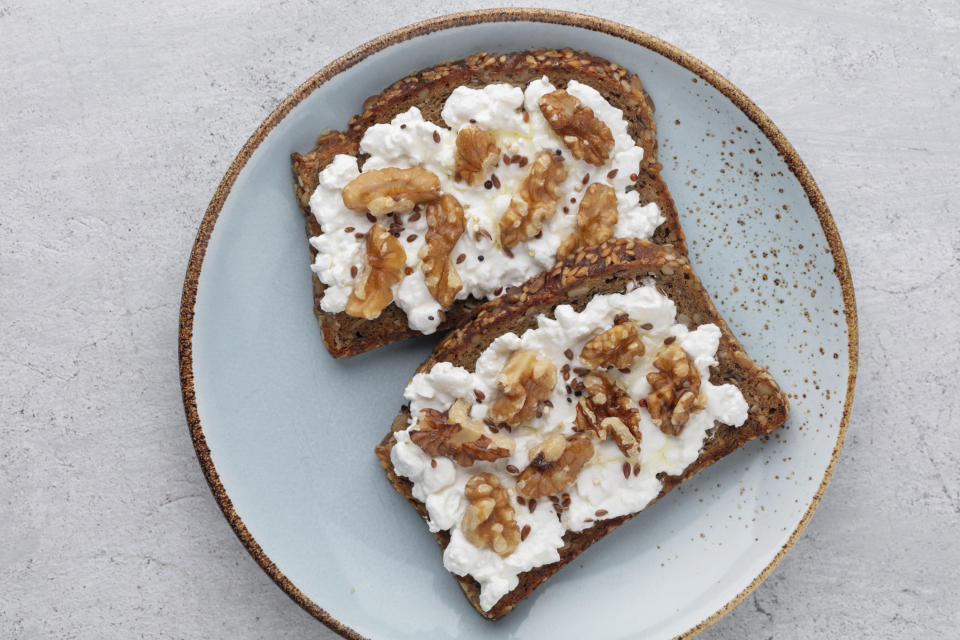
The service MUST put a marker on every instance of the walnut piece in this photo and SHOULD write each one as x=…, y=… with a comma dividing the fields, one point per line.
x=547, y=451
x=616, y=347
x=383, y=267
x=455, y=435
x=606, y=410
x=586, y=135
x=476, y=154
x=391, y=190
x=676, y=386
x=489, y=520
x=545, y=477
x=595, y=220
x=535, y=202
x=526, y=380
x=445, y=224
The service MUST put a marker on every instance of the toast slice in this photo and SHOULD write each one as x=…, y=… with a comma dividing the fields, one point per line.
x=346, y=335
x=615, y=266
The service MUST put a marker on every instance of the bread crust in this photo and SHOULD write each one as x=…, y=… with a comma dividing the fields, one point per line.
x=428, y=89
x=604, y=269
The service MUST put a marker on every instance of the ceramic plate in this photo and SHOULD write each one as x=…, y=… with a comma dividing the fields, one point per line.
x=285, y=433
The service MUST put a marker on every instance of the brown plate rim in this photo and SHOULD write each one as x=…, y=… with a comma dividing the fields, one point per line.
x=189, y=297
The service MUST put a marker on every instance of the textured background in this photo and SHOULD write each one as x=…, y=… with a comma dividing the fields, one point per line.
x=117, y=120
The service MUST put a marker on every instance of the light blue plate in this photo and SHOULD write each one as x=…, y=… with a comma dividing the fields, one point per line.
x=285, y=433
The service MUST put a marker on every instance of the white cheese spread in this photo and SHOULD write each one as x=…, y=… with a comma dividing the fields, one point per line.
x=512, y=115
x=602, y=489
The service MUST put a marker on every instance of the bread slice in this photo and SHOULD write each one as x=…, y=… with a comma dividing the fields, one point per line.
x=428, y=89
x=606, y=269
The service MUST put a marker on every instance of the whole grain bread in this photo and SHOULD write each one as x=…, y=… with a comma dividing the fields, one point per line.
x=345, y=335
x=605, y=269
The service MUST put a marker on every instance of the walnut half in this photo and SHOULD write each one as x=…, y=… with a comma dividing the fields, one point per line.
x=554, y=465
x=383, y=267
x=489, y=520
x=586, y=135
x=606, y=410
x=595, y=220
x=676, y=386
x=391, y=190
x=616, y=347
x=535, y=202
x=455, y=435
x=476, y=154
x=526, y=380
x=445, y=224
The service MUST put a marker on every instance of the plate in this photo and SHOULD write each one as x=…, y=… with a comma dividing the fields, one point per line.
x=285, y=433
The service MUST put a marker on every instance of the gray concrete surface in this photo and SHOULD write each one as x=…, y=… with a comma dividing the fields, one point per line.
x=118, y=119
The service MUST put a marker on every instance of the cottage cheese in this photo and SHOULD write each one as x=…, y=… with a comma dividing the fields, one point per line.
x=408, y=140
x=601, y=484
